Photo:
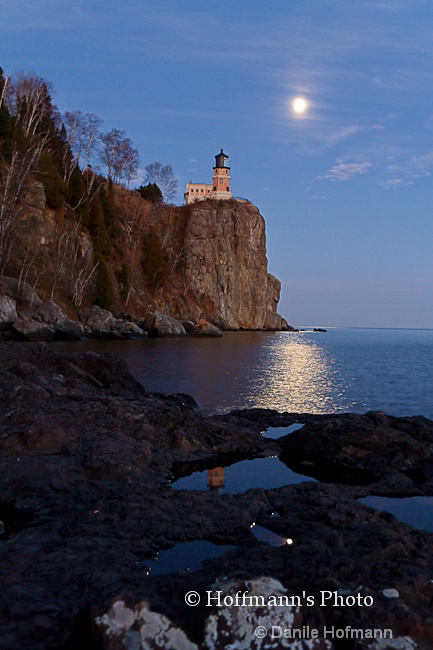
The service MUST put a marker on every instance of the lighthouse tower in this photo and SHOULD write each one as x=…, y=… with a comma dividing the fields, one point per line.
x=221, y=178
x=220, y=188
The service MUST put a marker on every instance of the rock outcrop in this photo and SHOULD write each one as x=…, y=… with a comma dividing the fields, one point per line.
x=85, y=457
x=204, y=261
x=216, y=262
x=226, y=267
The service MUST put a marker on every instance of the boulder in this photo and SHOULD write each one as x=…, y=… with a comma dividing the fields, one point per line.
x=98, y=319
x=71, y=330
x=157, y=324
x=247, y=627
x=8, y=311
x=132, y=331
x=139, y=628
x=203, y=328
x=49, y=312
x=22, y=291
x=28, y=329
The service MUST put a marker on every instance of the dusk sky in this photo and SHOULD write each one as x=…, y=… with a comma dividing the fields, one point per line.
x=345, y=186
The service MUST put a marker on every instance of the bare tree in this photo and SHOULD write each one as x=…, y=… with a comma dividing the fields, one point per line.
x=82, y=130
x=29, y=102
x=163, y=176
x=75, y=266
x=119, y=156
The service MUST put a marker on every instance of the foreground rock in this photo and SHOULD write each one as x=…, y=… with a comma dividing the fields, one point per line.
x=85, y=457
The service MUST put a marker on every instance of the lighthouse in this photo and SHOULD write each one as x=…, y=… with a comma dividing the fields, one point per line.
x=220, y=188
x=221, y=177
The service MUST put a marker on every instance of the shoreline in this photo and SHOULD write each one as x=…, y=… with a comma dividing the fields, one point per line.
x=85, y=455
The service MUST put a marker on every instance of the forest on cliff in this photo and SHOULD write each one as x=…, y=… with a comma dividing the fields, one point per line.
x=73, y=231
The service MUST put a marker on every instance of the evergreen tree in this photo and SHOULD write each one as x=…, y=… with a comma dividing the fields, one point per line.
x=104, y=287
x=155, y=265
x=55, y=187
x=97, y=229
x=77, y=195
x=151, y=192
x=107, y=202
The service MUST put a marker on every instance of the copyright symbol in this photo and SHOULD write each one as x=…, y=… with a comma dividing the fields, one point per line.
x=260, y=632
x=192, y=598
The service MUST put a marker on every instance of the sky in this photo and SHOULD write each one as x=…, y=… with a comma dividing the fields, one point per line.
x=345, y=187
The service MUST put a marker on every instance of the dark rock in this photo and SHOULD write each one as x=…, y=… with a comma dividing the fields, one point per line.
x=85, y=456
x=188, y=325
x=98, y=319
x=159, y=325
x=132, y=331
x=29, y=329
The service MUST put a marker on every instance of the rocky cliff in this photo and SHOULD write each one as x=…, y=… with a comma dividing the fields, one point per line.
x=202, y=261
x=221, y=248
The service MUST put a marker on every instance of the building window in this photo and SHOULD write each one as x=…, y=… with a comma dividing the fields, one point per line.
x=221, y=180
x=214, y=188
x=227, y=189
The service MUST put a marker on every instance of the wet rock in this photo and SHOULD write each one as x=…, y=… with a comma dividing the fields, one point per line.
x=159, y=325
x=85, y=457
x=349, y=447
x=203, y=328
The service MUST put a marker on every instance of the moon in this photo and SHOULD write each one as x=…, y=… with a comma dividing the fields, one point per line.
x=299, y=105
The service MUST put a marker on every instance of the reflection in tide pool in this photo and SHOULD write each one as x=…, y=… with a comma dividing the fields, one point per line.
x=415, y=511
x=266, y=473
x=278, y=432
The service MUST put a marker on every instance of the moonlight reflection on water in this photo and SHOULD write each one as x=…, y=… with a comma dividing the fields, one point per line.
x=298, y=375
x=331, y=372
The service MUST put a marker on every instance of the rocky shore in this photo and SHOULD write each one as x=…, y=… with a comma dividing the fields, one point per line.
x=86, y=457
x=46, y=321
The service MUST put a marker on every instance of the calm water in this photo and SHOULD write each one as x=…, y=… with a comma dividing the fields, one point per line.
x=415, y=511
x=266, y=473
x=316, y=372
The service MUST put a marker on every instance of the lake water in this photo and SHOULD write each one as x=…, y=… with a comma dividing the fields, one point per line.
x=314, y=372
x=339, y=370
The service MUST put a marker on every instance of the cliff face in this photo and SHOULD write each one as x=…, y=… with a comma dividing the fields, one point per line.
x=219, y=250
x=226, y=266
x=212, y=254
